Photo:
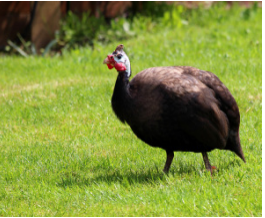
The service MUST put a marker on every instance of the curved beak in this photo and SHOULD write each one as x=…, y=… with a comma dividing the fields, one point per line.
x=106, y=61
x=109, y=60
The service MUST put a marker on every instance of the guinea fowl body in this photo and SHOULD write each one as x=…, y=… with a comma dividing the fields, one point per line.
x=179, y=109
x=171, y=108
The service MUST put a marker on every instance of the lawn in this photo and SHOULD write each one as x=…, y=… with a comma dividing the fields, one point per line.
x=64, y=153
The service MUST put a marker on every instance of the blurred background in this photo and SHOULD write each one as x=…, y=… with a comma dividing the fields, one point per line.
x=32, y=27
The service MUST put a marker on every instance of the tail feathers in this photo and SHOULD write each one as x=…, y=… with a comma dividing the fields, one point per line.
x=235, y=146
x=239, y=152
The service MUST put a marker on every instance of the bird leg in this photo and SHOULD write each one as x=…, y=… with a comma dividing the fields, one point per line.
x=170, y=156
x=207, y=163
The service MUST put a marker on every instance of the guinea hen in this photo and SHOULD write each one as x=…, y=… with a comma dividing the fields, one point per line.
x=176, y=108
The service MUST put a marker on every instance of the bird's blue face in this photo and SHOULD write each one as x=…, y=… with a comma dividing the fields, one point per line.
x=119, y=60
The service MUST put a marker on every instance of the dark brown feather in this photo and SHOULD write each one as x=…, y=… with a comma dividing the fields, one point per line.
x=179, y=109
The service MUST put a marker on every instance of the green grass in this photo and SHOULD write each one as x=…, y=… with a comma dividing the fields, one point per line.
x=64, y=153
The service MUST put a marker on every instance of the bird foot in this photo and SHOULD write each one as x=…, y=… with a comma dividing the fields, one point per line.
x=207, y=163
x=212, y=169
x=165, y=171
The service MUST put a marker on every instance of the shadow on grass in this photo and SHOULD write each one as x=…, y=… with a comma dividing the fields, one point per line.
x=124, y=178
x=127, y=178
x=141, y=176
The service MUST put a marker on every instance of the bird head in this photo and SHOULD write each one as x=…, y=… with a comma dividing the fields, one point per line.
x=119, y=60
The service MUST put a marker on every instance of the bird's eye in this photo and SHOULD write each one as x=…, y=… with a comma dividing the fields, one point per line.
x=119, y=56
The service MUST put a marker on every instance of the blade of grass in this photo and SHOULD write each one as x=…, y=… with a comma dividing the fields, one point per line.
x=19, y=50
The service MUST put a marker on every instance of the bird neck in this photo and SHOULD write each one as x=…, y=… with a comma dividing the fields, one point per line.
x=121, y=97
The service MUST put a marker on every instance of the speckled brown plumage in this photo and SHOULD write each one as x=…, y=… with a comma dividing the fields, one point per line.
x=179, y=108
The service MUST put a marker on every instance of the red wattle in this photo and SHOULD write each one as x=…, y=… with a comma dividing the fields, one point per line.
x=109, y=66
x=120, y=66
